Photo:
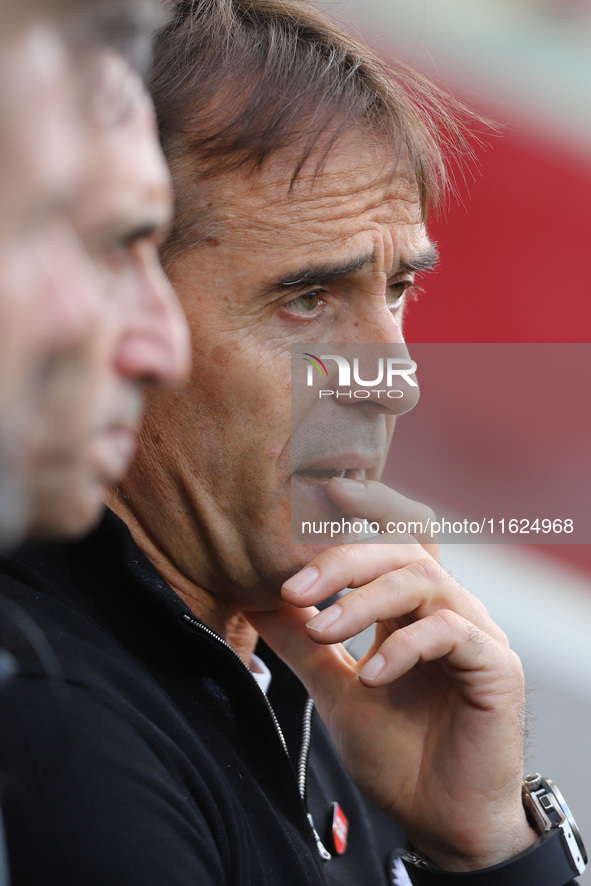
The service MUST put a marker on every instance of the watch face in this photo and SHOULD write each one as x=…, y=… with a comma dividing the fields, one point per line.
x=569, y=817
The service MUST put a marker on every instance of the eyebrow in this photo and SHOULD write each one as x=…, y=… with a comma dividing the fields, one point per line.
x=322, y=275
x=154, y=225
x=157, y=230
x=423, y=261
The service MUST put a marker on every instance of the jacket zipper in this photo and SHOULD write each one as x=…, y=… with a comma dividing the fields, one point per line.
x=306, y=731
x=303, y=775
x=198, y=624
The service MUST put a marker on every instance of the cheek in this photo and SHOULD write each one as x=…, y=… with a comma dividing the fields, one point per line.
x=238, y=397
x=221, y=379
x=240, y=379
x=237, y=405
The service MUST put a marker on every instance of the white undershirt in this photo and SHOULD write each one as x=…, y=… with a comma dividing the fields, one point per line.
x=260, y=672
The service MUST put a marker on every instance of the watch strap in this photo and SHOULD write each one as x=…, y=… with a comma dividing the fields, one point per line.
x=545, y=863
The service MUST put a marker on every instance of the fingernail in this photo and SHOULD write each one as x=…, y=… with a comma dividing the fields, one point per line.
x=302, y=581
x=351, y=485
x=373, y=668
x=326, y=618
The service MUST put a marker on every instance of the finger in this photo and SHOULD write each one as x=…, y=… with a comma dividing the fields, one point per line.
x=475, y=660
x=346, y=566
x=394, y=513
x=418, y=589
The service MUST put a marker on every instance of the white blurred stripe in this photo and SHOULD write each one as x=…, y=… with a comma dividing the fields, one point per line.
x=522, y=65
x=542, y=605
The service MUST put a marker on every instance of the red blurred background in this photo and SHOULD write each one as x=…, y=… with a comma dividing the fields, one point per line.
x=515, y=268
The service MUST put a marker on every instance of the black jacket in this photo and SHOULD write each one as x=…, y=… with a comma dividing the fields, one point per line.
x=155, y=758
x=136, y=749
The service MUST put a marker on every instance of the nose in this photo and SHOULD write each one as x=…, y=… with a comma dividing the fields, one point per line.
x=382, y=375
x=154, y=344
x=374, y=323
x=382, y=370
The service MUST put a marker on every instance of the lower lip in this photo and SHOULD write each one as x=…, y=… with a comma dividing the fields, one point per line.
x=123, y=437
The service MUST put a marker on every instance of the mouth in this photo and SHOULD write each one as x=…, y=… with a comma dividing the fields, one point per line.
x=110, y=452
x=350, y=466
x=121, y=439
x=321, y=476
x=310, y=493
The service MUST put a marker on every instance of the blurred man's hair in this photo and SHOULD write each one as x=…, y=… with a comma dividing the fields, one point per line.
x=234, y=81
x=125, y=26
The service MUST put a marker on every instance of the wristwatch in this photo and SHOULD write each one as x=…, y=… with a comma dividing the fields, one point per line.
x=554, y=859
x=547, y=810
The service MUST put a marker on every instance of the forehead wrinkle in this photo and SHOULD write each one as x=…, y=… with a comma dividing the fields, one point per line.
x=347, y=190
x=323, y=204
x=351, y=206
x=326, y=220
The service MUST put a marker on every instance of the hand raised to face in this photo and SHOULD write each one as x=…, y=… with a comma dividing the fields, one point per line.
x=430, y=723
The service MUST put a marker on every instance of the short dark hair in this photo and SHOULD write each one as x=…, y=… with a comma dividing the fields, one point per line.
x=236, y=80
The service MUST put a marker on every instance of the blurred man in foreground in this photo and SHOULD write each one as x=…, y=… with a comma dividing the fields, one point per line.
x=304, y=172
x=49, y=292
x=87, y=315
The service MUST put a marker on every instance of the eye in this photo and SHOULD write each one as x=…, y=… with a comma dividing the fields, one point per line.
x=396, y=291
x=125, y=250
x=306, y=303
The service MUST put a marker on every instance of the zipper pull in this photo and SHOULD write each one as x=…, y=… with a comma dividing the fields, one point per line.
x=322, y=850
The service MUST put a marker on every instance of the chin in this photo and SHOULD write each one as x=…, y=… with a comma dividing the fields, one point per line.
x=69, y=516
x=288, y=560
x=308, y=552
x=69, y=496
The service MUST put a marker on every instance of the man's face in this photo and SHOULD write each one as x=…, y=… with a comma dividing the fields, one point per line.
x=93, y=395
x=351, y=237
x=49, y=290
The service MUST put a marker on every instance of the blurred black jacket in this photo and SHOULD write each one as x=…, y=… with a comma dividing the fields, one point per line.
x=154, y=758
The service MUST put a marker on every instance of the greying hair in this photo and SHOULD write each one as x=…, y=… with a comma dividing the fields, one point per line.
x=234, y=81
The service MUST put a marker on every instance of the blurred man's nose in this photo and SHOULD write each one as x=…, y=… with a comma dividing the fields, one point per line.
x=155, y=344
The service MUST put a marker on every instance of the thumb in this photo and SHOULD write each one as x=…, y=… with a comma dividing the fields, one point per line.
x=397, y=516
x=322, y=669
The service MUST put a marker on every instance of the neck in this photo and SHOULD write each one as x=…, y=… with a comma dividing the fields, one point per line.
x=229, y=624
